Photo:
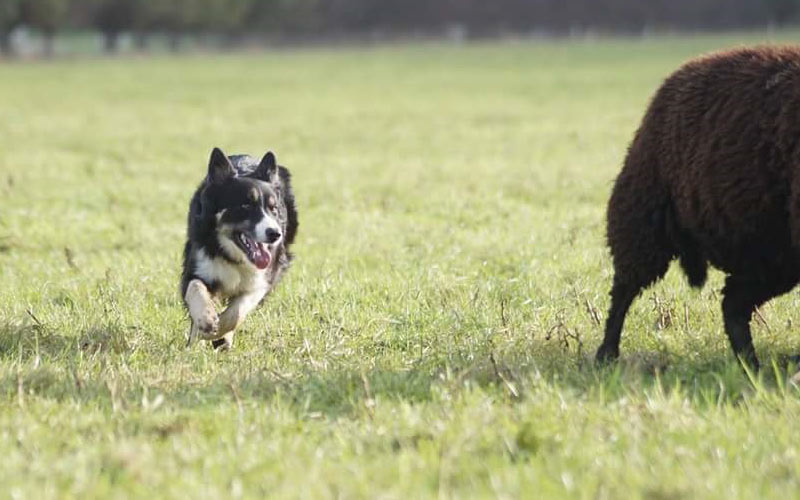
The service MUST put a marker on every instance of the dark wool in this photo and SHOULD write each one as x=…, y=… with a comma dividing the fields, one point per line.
x=713, y=177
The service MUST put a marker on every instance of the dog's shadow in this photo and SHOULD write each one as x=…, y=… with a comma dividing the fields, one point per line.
x=27, y=341
x=23, y=341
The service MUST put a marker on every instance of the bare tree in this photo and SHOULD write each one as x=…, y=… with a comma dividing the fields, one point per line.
x=48, y=16
x=783, y=11
x=10, y=18
x=112, y=18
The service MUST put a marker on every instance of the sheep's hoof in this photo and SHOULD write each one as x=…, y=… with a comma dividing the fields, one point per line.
x=795, y=379
x=749, y=362
x=606, y=355
x=794, y=361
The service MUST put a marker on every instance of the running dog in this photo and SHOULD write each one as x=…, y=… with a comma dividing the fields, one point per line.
x=242, y=221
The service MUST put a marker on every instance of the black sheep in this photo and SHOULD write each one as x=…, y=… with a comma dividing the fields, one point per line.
x=713, y=177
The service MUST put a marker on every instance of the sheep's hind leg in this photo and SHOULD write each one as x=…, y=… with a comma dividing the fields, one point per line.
x=639, y=213
x=742, y=295
x=622, y=296
x=639, y=261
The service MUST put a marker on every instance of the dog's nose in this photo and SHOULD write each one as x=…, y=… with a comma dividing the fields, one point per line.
x=272, y=235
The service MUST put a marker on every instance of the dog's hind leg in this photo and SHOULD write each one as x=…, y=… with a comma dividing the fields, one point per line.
x=205, y=321
x=233, y=316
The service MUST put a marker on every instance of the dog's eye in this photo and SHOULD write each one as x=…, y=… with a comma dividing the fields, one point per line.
x=271, y=203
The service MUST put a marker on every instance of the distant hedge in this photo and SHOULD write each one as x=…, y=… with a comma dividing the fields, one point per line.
x=230, y=21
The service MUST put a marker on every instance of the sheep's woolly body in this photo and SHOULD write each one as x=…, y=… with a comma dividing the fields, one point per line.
x=713, y=176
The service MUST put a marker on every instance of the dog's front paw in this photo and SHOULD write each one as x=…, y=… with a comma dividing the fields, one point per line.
x=204, y=327
x=207, y=325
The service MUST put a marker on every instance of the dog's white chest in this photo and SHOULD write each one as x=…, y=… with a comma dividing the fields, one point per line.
x=233, y=279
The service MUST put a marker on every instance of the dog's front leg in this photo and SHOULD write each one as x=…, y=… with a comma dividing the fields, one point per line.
x=233, y=316
x=205, y=321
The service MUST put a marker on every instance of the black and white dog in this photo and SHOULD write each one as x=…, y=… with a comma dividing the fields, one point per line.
x=242, y=220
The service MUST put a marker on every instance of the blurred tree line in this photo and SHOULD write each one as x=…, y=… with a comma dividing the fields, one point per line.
x=231, y=21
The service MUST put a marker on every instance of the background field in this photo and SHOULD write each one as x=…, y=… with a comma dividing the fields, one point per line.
x=434, y=335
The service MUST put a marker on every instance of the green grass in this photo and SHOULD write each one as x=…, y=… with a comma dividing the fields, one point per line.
x=434, y=335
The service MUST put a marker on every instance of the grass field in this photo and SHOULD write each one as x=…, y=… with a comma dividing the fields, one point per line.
x=434, y=335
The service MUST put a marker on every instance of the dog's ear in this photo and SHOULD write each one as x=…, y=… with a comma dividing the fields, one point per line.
x=220, y=168
x=267, y=169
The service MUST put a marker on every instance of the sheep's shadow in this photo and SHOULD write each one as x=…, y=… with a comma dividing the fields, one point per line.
x=349, y=390
x=709, y=379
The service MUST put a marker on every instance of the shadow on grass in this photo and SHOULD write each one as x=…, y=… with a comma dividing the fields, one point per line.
x=26, y=341
x=343, y=390
x=23, y=342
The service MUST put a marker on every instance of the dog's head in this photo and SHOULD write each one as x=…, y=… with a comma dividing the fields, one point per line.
x=252, y=213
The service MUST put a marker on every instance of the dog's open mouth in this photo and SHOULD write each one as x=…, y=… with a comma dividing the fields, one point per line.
x=256, y=251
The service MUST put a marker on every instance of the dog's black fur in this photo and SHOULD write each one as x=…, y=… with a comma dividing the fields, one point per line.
x=242, y=221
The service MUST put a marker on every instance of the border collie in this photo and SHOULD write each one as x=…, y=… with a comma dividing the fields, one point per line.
x=242, y=221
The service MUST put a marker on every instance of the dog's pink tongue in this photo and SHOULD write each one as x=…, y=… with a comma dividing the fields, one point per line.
x=262, y=257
